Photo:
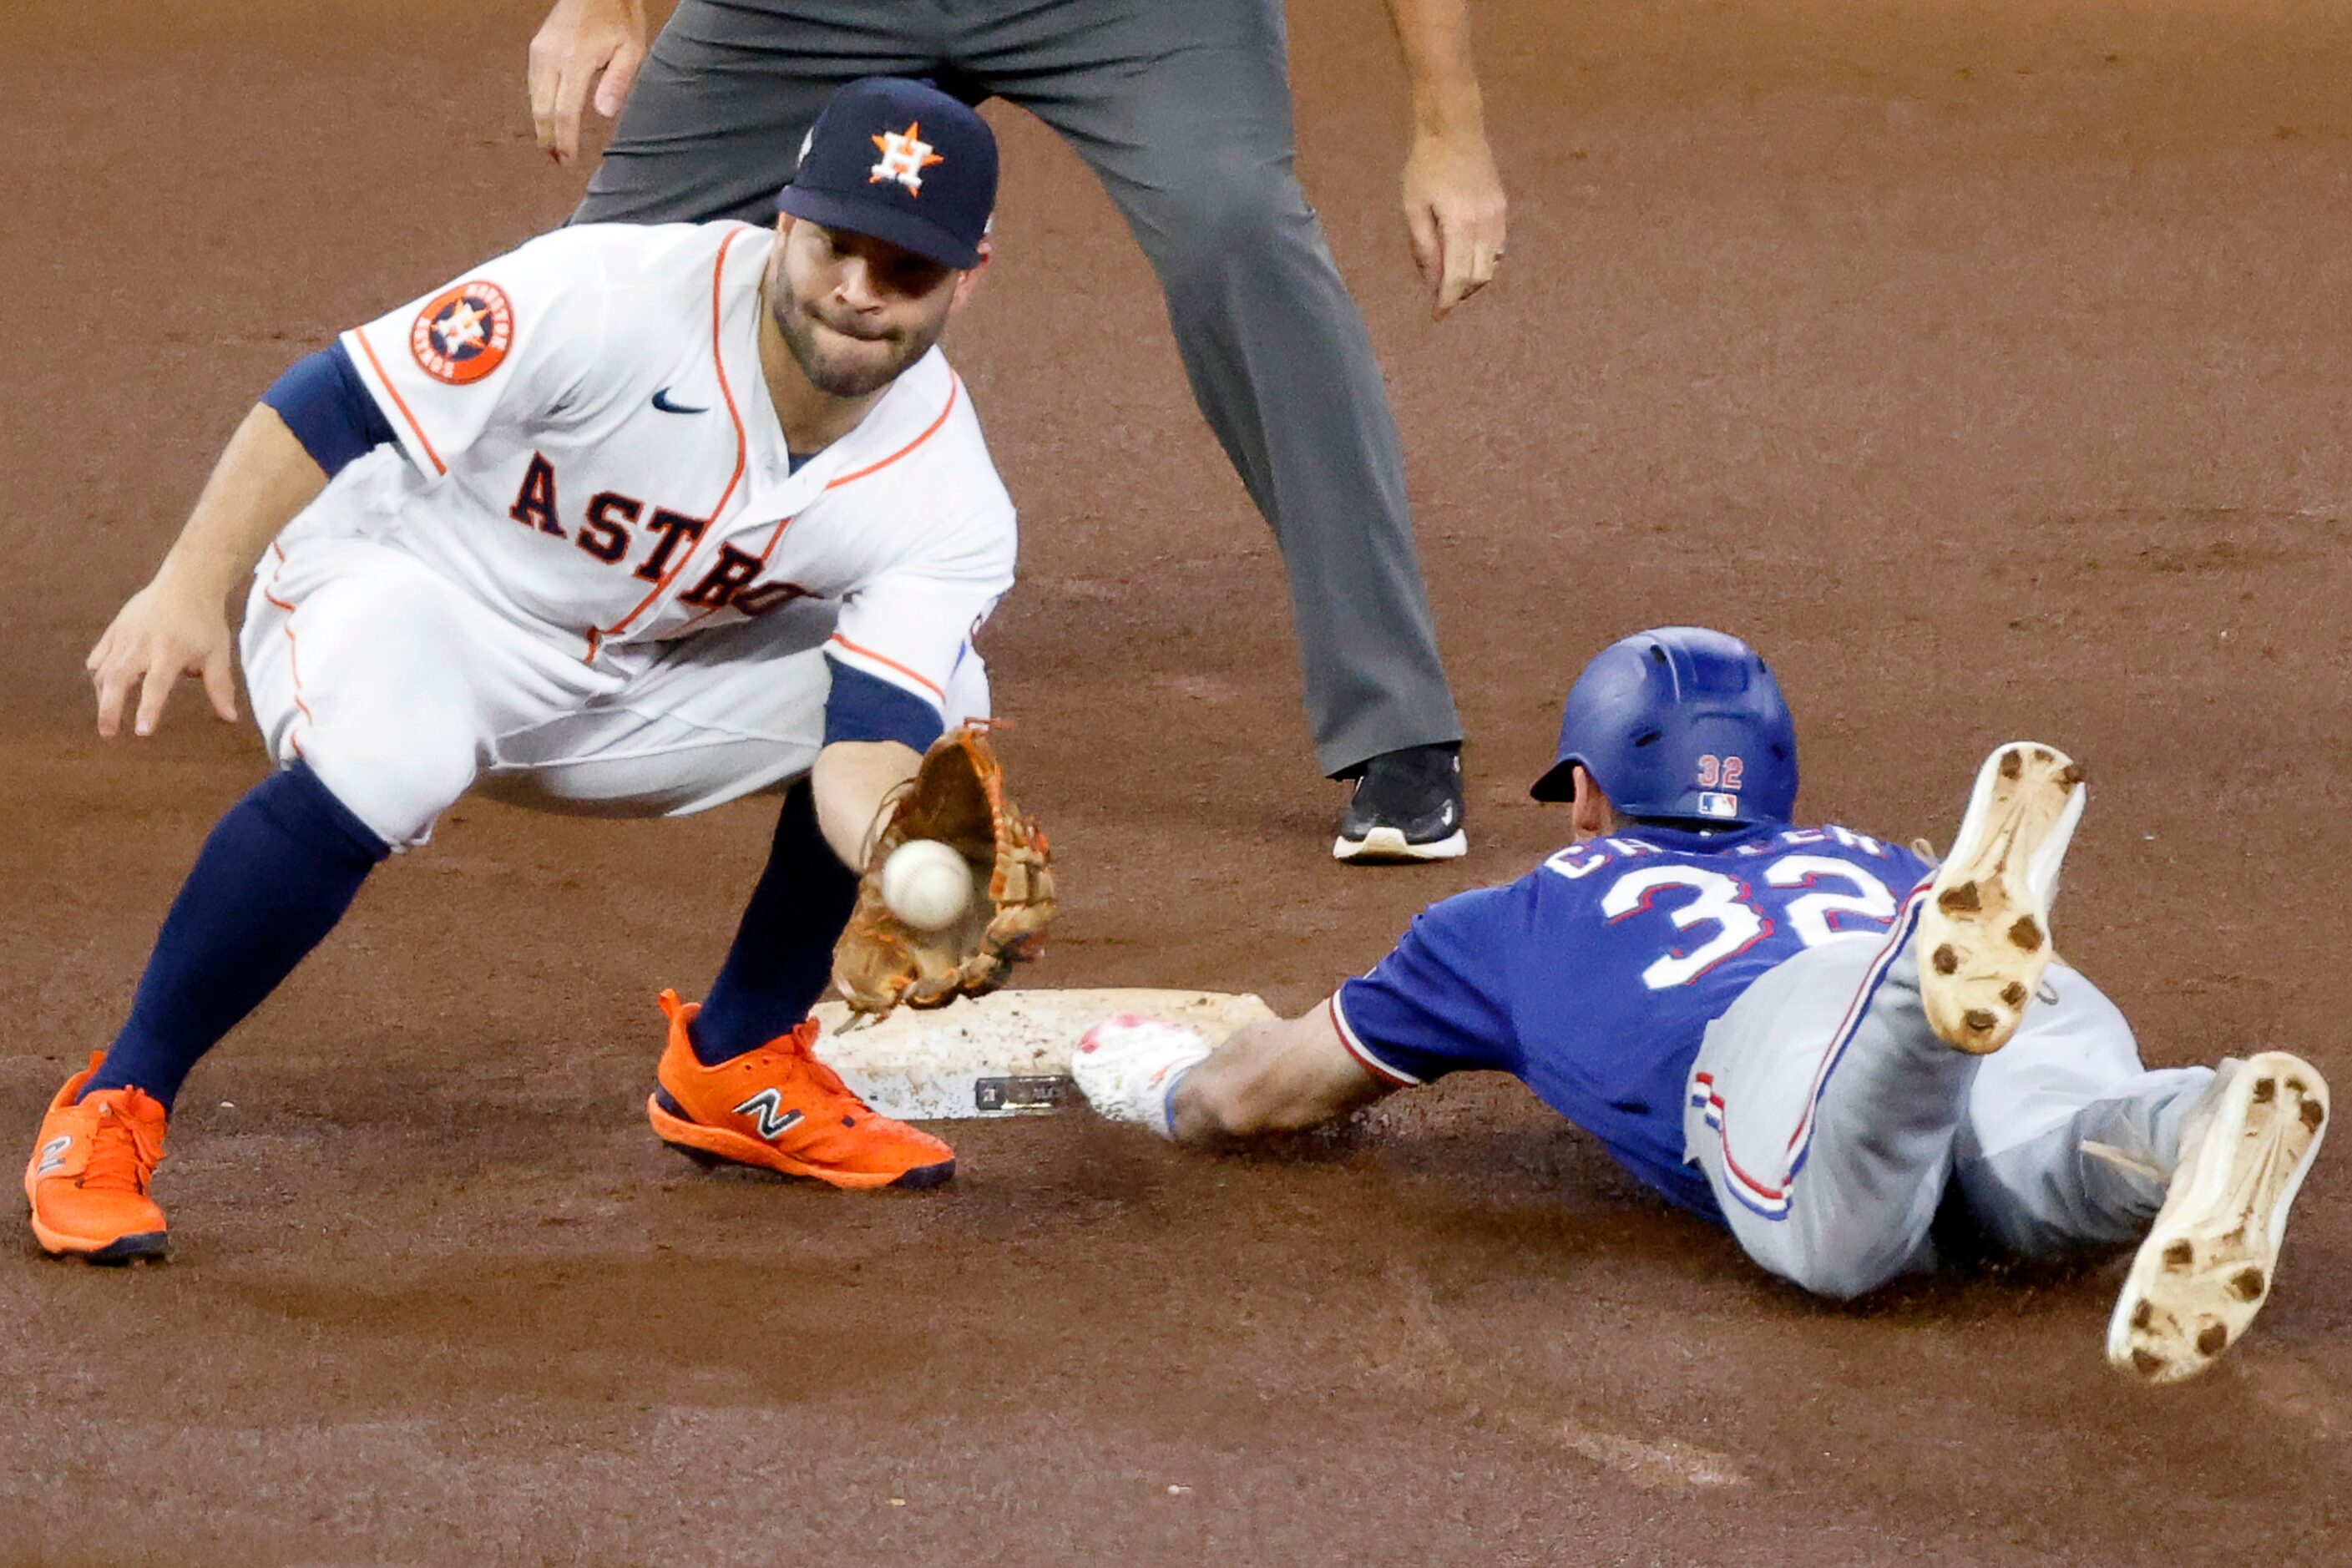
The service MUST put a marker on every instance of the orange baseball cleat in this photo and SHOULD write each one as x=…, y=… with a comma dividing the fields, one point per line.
x=91, y=1166
x=780, y=1109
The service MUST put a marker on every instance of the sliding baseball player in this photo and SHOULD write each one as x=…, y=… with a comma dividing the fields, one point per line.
x=1805, y=1033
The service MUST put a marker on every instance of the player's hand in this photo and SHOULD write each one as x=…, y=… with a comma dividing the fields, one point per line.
x=168, y=629
x=1454, y=214
x=580, y=39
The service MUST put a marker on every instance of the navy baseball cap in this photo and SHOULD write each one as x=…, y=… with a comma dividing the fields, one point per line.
x=903, y=161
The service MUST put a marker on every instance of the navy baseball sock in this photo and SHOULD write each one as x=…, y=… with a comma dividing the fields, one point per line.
x=276, y=873
x=782, y=956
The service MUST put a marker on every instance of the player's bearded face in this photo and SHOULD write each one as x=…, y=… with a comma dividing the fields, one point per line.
x=856, y=311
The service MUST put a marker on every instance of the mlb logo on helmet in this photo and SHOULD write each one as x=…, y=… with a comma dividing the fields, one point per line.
x=900, y=160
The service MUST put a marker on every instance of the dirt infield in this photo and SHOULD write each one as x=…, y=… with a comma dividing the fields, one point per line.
x=1987, y=369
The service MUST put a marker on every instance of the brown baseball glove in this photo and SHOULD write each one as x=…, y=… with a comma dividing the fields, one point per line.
x=957, y=797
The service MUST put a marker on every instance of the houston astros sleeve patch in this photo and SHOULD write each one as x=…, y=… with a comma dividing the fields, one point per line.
x=463, y=332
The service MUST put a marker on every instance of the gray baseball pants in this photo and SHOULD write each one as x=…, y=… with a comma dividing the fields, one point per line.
x=1833, y=1123
x=1183, y=108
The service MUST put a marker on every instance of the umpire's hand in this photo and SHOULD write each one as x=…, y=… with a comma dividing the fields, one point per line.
x=1454, y=213
x=579, y=40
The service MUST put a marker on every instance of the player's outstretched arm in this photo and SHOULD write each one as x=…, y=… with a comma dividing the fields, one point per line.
x=582, y=44
x=851, y=781
x=1278, y=1075
x=1454, y=206
x=178, y=624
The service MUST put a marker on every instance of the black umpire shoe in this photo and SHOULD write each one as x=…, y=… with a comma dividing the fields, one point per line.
x=1407, y=806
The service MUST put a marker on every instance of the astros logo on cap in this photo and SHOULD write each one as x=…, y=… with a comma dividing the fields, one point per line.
x=462, y=334
x=904, y=158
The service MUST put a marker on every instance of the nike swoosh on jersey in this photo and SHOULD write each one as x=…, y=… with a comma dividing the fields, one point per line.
x=662, y=402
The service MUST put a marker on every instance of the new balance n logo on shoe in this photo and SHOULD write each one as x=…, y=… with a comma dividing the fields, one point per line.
x=53, y=1154
x=764, y=1106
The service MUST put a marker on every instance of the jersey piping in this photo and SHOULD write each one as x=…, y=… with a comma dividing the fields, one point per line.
x=742, y=447
x=1354, y=1045
x=916, y=676
x=293, y=647
x=399, y=402
x=775, y=537
x=1764, y=1198
x=955, y=386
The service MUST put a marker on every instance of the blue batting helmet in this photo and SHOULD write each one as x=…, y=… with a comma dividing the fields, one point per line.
x=1683, y=723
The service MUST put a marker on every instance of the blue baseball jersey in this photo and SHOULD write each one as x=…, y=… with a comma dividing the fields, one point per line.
x=1593, y=978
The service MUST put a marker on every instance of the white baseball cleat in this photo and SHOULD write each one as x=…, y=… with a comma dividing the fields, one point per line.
x=2205, y=1269
x=1126, y=1067
x=1984, y=937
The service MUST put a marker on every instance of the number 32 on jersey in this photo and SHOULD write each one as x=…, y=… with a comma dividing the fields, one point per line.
x=1725, y=916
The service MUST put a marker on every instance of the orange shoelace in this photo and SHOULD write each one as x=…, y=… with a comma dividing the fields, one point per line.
x=123, y=1151
x=802, y=1042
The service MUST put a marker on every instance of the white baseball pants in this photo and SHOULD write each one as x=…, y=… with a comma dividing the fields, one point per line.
x=402, y=690
x=1830, y=1119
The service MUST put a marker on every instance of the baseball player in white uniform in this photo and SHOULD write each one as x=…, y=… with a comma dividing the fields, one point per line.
x=630, y=520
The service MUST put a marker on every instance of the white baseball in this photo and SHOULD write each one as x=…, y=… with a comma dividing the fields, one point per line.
x=927, y=884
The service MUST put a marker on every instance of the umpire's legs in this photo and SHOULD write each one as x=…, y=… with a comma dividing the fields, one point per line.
x=1184, y=113
x=714, y=124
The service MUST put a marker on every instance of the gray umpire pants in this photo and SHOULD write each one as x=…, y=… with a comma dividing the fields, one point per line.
x=1833, y=1124
x=1183, y=108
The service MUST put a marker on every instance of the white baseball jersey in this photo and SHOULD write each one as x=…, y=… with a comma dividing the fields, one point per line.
x=592, y=449
x=592, y=576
